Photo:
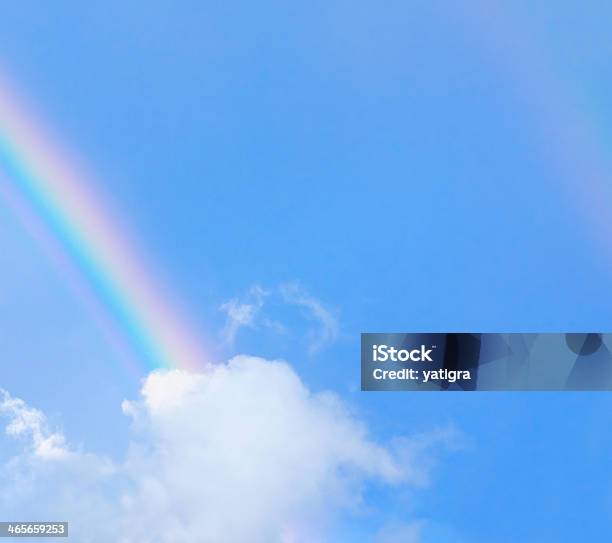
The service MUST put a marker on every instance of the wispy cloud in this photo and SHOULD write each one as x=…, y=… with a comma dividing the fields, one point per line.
x=248, y=312
x=400, y=533
x=326, y=331
x=241, y=313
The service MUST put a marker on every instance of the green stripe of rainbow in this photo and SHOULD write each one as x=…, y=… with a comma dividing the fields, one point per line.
x=62, y=197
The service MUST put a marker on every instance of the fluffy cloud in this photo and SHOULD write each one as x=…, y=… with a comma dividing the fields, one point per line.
x=31, y=423
x=240, y=452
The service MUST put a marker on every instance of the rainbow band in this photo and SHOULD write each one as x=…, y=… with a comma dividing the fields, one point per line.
x=61, y=196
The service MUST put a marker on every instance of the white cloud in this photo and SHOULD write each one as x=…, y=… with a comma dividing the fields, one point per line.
x=247, y=313
x=241, y=314
x=48, y=479
x=415, y=452
x=327, y=325
x=241, y=452
x=31, y=424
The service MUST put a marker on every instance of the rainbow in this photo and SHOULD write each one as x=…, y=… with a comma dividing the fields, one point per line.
x=566, y=133
x=62, y=197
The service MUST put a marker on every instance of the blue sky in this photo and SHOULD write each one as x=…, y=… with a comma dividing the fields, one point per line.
x=411, y=166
